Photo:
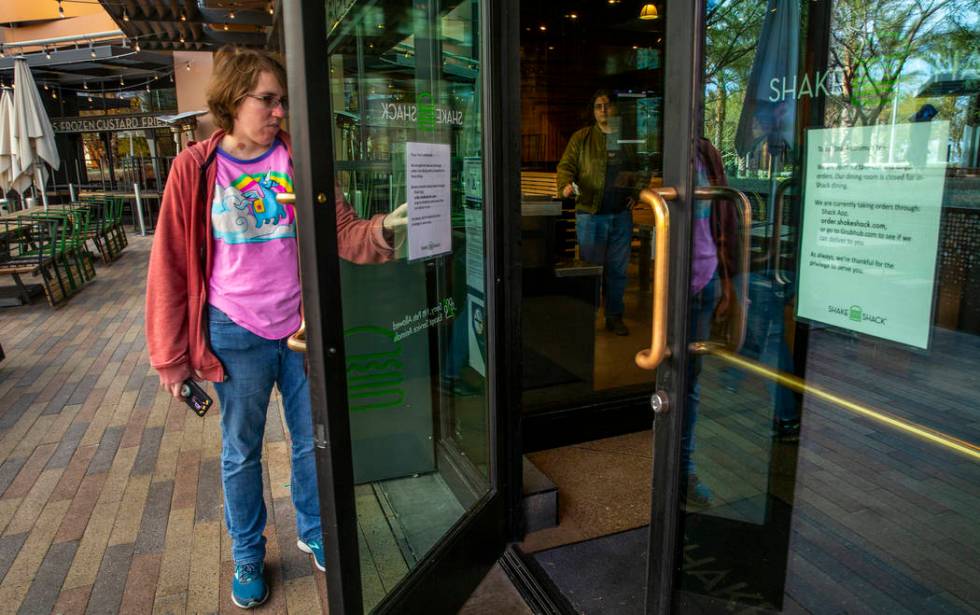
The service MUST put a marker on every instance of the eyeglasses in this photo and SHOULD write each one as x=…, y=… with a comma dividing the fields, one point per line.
x=270, y=101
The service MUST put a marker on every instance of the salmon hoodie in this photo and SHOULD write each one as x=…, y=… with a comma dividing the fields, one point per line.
x=181, y=260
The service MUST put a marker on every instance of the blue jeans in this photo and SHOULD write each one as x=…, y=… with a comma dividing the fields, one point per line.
x=702, y=308
x=604, y=239
x=253, y=365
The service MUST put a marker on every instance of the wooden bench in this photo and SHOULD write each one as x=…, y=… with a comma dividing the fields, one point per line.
x=539, y=183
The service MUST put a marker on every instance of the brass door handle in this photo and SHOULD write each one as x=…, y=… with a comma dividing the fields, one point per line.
x=776, y=242
x=744, y=207
x=657, y=200
x=296, y=341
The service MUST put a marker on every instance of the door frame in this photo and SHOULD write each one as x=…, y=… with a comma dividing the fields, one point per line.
x=450, y=572
x=683, y=69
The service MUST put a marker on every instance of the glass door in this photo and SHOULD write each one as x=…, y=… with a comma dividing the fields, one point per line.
x=816, y=441
x=388, y=115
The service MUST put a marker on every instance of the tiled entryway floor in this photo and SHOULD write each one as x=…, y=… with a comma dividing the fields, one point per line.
x=110, y=491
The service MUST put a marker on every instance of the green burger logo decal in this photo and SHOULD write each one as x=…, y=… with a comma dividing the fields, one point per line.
x=856, y=313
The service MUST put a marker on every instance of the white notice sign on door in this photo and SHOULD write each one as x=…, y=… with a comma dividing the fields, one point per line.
x=429, y=199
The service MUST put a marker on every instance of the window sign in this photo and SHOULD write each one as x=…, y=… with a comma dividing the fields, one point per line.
x=870, y=228
x=429, y=199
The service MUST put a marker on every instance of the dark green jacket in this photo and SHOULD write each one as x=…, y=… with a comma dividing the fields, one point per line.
x=584, y=162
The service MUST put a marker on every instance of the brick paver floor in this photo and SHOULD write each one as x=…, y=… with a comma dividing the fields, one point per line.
x=110, y=491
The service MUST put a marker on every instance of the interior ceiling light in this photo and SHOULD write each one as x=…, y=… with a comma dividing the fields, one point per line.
x=61, y=10
x=2, y=54
x=91, y=49
x=231, y=15
x=649, y=11
x=181, y=38
x=271, y=9
x=572, y=16
x=125, y=16
x=85, y=85
x=187, y=66
x=614, y=1
x=47, y=53
x=122, y=81
x=183, y=16
x=543, y=28
x=136, y=46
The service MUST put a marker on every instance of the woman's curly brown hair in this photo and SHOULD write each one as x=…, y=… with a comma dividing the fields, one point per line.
x=236, y=72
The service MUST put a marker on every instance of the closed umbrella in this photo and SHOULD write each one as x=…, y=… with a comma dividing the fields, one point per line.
x=6, y=141
x=33, y=134
x=769, y=110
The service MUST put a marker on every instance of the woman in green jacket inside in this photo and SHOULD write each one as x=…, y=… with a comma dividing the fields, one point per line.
x=596, y=170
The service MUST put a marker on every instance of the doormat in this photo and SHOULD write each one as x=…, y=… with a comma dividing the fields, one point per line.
x=602, y=575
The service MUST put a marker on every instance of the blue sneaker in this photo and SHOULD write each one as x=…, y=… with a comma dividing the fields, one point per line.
x=315, y=547
x=248, y=587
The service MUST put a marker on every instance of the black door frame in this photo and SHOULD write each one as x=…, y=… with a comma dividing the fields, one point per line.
x=683, y=64
x=447, y=576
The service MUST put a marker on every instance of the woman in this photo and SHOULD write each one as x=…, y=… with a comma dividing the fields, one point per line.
x=598, y=172
x=223, y=295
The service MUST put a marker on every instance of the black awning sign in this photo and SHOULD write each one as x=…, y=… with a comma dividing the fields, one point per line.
x=106, y=123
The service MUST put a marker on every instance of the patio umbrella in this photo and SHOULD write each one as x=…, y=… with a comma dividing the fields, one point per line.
x=6, y=141
x=33, y=135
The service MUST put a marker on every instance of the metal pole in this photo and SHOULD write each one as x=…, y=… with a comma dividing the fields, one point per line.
x=94, y=36
x=139, y=209
x=71, y=192
x=40, y=180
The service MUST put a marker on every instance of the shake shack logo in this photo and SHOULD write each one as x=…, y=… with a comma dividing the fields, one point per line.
x=424, y=114
x=856, y=313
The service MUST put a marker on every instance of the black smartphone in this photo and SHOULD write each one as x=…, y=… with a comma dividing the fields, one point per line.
x=195, y=397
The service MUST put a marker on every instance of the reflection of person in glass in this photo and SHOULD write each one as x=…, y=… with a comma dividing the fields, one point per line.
x=223, y=296
x=596, y=170
x=713, y=267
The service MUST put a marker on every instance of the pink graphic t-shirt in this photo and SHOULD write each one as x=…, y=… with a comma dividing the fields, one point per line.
x=255, y=277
